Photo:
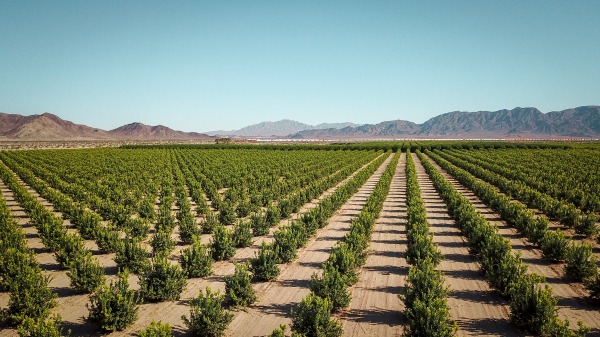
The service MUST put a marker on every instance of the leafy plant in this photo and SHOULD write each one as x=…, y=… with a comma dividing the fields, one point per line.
x=86, y=274
x=40, y=327
x=30, y=296
x=311, y=318
x=162, y=243
x=264, y=265
x=156, y=329
x=581, y=262
x=207, y=315
x=238, y=287
x=162, y=281
x=331, y=285
x=196, y=261
x=114, y=306
x=242, y=234
x=222, y=246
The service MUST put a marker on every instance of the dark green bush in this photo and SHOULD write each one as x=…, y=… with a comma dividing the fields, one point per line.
x=188, y=228
x=581, y=262
x=312, y=318
x=162, y=281
x=207, y=315
x=114, y=306
x=209, y=224
x=242, y=234
x=259, y=225
x=554, y=245
x=331, y=285
x=162, y=243
x=286, y=244
x=264, y=265
x=30, y=296
x=86, y=274
x=238, y=287
x=221, y=245
x=131, y=256
x=40, y=327
x=196, y=261
x=227, y=214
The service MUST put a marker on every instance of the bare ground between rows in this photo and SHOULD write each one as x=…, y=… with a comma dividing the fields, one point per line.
x=375, y=309
x=573, y=303
x=474, y=306
x=277, y=298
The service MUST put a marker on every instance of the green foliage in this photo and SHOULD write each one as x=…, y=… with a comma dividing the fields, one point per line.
x=108, y=239
x=581, y=262
x=207, y=315
x=188, y=228
x=162, y=243
x=331, y=285
x=40, y=327
x=312, y=318
x=586, y=225
x=264, y=264
x=157, y=329
x=114, y=307
x=227, y=214
x=137, y=228
x=554, y=245
x=242, y=234
x=427, y=310
x=162, y=281
x=273, y=216
x=222, y=245
x=286, y=243
x=146, y=209
x=210, y=223
x=86, y=274
x=279, y=332
x=238, y=287
x=71, y=249
x=259, y=225
x=30, y=296
x=131, y=256
x=196, y=261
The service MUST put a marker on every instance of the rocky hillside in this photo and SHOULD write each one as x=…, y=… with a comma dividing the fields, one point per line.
x=51, y=127
x=518, y=122
x=278, y=129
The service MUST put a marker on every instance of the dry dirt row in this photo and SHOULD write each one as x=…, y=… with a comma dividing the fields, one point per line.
x=474, y=306
x=277, y=298
x=572, y=297
x=375, y=309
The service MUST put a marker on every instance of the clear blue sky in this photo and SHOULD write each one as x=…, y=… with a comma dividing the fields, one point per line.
x=205, y=65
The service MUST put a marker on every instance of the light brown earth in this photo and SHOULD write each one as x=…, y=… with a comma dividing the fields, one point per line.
x=276, y=299
x=474, y=306
x=375, y=309
x=573, y=303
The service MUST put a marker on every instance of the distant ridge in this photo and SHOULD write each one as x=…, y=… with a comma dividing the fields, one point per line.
x=580, y=122
x=51, y=127
x=516, y=123
x=280, y=128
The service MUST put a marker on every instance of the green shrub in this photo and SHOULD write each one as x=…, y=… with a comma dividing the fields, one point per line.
x=196, y=260
x=242, y=234
x=162, y=243
x=554, y=245
x=86, y=274
x=71, y=249
x=40, y=327
x=188, y=228
x=259, y=225
x=146, y=209
x=221, y=246
x=581, y=262
x=286, y=244
x=238, y=287
x=12, y=261
x=264, y=265
x=593, y=286
x=210, y=223
x=311, y=318
x=157, y=329
x=331, y=285
x=207, y=315
x=162, y=281
x=114, y=306
x=279, y=332
x=586, y=225
x=30, y=296
x=137, y=228
x=108, y=239
x=532, y=308
x=273, y=216
x=227, y=214
x=344, y=260
x=131, y=256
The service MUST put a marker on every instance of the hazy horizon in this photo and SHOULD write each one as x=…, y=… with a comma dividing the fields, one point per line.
x=205, y=66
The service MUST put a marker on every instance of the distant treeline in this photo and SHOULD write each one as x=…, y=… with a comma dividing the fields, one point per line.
x=386, y=146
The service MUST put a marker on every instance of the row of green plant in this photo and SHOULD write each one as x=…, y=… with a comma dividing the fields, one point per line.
x=424, y=295
x=563, y=211
x=532, y=304
x=330, y=291
x=69, y=249
x=570, y=175
x=555, y=245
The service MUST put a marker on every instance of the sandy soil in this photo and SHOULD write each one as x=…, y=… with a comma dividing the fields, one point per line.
x=276, y=299
x=375, y=309
x=474, y=306
x=572, y=297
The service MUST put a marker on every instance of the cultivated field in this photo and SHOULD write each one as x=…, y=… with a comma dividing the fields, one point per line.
x=382, y=239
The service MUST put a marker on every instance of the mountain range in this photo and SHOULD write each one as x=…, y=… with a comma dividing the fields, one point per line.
x=515, y=123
